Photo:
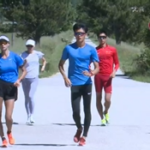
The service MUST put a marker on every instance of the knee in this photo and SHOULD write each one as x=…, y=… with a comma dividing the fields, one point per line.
x=108, y=98
x=28, y=99
x=76, y=114
x=8, y=117
x=31, y=97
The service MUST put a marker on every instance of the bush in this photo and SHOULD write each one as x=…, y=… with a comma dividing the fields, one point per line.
x=142, y=62
x=146, y=37
x=52, y=47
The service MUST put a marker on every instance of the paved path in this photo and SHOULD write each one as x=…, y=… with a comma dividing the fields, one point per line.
x=54, y=128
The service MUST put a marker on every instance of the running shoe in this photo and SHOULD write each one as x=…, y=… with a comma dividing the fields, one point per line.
x=107, y=118
x=82, y=141
x=11, y=139
x=103, y=122
x=32, y=120
x=4, y=143
x=77, y=135
x=28, y=120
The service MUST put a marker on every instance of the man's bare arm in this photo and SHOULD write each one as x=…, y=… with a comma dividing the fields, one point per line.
x=96, y=68
x=61, y=68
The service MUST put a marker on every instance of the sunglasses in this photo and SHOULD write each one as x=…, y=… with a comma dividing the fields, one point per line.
x=29, y=46
x=102, y=37
x=79, y=33
x=3, y=42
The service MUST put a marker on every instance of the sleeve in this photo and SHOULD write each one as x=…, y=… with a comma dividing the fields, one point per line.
x=65, y=54
x=19, y=60
x=115, y=59
x=94, y=56
x=40, y=54
x=21, y=55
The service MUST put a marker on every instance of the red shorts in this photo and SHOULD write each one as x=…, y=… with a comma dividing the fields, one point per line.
x=103, y=81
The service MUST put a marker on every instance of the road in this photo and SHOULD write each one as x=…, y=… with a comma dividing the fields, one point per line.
x=129, y=127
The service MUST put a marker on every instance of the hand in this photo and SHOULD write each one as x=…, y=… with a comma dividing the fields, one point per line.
x=67, y=82
x=17, y=83
x=113, y=74
x=42, y=69
x=87, y=73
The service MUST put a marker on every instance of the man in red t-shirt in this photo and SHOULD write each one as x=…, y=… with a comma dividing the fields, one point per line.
x=108, y=64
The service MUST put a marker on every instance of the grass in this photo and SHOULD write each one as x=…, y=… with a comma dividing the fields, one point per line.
x=127, y=53
x=52, y=47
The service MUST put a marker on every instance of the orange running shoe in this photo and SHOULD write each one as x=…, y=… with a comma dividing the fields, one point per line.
x=11, y=139
x=4, y=143
x=82, y=141
x=77, y=135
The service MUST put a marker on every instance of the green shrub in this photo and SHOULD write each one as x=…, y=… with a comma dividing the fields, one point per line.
x=52, y=47
x=142, y=62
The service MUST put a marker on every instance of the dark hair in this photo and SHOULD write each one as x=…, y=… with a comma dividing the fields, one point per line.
x=78, y=26
x=102, y=31
x=30, y=37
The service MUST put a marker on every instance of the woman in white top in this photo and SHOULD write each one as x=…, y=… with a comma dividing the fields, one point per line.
x=30, y=82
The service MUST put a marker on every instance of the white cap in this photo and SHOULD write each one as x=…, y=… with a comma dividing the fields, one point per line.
x=4, y=38
x=30, y=42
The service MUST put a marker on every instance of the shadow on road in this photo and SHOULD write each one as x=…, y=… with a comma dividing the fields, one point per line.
x=64, y=124
x=14, y=123
x=123, y=76
x=59, y=145
x=71, y=124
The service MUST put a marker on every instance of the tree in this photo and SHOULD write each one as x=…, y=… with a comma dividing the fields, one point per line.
x=145, y=34
x=116, y=16
x=41, y=17
x=75, y=3
x=12, y=3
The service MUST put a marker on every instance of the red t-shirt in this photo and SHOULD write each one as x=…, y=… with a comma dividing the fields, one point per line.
x=108, y=58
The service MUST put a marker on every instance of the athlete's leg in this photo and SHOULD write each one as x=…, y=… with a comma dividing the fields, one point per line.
x=26, y=89
x=1, y=126
x=107, y=102
x=33, y=88
x=98, y=87
x=108, y=93
x=4, y=141
x=9, y=105
x=99, y=104
x=87, y=93
x=75, y=101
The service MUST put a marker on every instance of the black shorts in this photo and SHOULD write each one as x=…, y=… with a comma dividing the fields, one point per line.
x=81, y=90
x=8, y=91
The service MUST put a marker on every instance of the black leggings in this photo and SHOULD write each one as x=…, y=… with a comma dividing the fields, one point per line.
x=76, y=93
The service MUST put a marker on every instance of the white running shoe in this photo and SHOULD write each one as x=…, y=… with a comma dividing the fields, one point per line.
x=32, y=120
x=28, y=121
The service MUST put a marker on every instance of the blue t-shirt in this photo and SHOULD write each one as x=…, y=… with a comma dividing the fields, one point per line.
x=9, y=67
x=79, y=61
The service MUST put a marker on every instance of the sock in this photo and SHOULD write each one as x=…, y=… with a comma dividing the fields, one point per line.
x=3, y=138
x=8, y=132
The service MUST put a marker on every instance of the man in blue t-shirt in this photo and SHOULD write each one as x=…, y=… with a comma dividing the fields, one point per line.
x=80, y=56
